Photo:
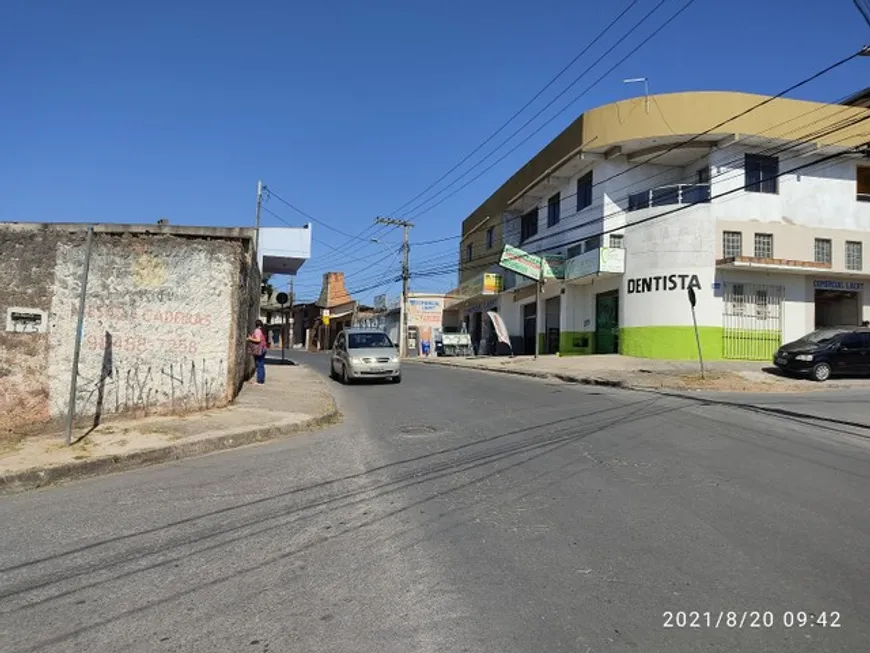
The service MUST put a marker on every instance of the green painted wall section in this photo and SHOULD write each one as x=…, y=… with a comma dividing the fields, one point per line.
x=671, y=342
x=573, y=343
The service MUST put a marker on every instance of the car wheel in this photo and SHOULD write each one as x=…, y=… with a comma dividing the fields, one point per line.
x=397, y=379
x=332, y=374
x=821, y=371
x=344, y=377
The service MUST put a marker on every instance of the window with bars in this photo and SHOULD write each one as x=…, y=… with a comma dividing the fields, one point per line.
x=763, y=245
x=738, y=299
x=761, y=308
x=854, y=255
x=469, y=251
x=554, y=210
x=732, y=244
x=584, y=191
x=761, y=173
x=591, y=243
x=822, y=251
x=617, y=241
x=575, y=250
x=490, y=237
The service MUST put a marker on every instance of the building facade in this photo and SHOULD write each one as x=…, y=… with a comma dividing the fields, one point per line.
x=761, y=206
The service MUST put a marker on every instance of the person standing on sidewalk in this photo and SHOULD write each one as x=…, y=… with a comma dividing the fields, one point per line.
x=257, y=347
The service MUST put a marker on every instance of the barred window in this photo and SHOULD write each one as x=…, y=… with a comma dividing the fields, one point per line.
x=763, y=245
x=616, y=241
x=732, y=244
x=822, y=252
x=854, y=255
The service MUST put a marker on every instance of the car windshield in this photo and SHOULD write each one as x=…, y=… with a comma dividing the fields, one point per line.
x=820, y=336
x=368, y=341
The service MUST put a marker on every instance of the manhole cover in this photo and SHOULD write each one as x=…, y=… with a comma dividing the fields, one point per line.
x=418, y=430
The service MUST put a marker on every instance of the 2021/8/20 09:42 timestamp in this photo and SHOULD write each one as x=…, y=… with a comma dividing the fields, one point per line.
x=750, y=619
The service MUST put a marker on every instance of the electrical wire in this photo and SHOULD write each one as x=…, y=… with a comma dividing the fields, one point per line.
x=556, y=115
x=480, y=162
x=523, y=108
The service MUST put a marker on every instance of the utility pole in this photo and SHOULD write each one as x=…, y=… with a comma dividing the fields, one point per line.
x=257, y=217
x=406, y=276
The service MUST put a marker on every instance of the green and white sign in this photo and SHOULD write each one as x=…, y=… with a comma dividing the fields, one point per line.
x=529, y=265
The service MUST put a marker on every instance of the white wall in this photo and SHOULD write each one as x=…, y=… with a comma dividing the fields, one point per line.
x=821, y=196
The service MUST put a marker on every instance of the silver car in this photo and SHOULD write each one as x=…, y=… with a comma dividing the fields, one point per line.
x=364, y=354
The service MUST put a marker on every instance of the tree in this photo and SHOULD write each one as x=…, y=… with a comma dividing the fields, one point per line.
x=267, y=288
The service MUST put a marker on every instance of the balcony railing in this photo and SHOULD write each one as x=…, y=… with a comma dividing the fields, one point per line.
x=669, y=195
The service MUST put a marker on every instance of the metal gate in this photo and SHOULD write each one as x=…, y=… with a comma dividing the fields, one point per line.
x=752, y=318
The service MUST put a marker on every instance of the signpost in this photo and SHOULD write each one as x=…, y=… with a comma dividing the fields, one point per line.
x=282, y=299
x=692, y=301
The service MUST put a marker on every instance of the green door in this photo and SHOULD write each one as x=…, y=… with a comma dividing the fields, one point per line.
x=607, y=323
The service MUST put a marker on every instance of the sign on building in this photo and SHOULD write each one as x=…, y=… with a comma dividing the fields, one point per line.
x=529, y=265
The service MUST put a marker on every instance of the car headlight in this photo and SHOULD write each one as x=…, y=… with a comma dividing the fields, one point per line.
x=356, y=361
x=394, y=359
x=804, y=357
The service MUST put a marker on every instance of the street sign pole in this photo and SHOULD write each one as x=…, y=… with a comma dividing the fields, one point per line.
x=282, y=299
x=692, y=302
x=538, y=316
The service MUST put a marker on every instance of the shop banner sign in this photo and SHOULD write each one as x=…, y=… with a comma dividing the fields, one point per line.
x=493, y=284
x=500, y=328
x=529, y=265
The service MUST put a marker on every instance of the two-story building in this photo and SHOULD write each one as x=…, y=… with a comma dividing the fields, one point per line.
x=760, y=205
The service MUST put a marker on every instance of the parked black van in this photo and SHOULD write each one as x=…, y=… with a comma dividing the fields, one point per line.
x=825, y=352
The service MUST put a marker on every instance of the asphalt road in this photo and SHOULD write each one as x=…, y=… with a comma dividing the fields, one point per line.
x=465, y=512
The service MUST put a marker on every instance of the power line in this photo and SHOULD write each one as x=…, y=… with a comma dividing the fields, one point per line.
x=683, y=207
x=523, y=108
x=547, y=106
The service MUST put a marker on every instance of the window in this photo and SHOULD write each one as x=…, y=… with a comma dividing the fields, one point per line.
x=732, y=244
x=738, y=300
x=854, y=255
x=763, y=245
x=369, y=341
x=339, y=342
x=584, y=191
x=616, y=241
x=852, y=341
x=469, y=251
x=761, y=173
x=591, y=243
x=529, y=225
x=863, y=184
x=704, y=175
x=761, y=304
x=554, y=209
x=575, y=250
x=490, y=237
x=822, y=251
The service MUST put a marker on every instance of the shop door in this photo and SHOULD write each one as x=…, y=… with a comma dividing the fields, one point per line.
x=607, y=323
x=530, y=327
x=553, y=309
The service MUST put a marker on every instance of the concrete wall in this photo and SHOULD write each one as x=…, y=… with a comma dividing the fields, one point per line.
x=166, y=318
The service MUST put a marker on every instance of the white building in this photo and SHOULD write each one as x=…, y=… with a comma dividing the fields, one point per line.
x=763, y=210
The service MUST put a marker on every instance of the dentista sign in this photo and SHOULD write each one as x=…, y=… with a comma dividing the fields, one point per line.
x=663, y=283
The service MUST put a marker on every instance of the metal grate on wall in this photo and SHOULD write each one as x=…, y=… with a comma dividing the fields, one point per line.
x=752, y=321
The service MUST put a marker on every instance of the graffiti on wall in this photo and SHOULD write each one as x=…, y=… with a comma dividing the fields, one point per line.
x=157, y=325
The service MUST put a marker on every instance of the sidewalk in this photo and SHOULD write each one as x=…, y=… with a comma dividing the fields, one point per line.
x=293, y=399
x=645, y=373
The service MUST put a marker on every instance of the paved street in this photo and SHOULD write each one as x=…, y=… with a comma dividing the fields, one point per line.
x=462, y=511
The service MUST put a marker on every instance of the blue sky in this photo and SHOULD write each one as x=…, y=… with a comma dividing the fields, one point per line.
x=129, y=112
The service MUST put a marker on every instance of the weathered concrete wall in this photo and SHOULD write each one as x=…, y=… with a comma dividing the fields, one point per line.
x=165, y=323
x=26, y=277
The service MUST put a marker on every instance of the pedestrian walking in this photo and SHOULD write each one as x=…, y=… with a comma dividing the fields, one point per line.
x=257, y=347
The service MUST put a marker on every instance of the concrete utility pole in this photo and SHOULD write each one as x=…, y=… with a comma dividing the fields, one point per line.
x=406, y=276
x=257, y=216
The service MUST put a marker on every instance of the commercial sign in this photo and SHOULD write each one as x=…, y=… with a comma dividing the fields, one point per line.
x=831, y=284
x=425, y=312
x=500, y=328
x=529, y=265
x=482, y=284
x=603, y=259
x=663, y=283
x=493, y=284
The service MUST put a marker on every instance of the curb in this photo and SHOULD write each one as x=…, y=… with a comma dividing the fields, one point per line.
x=31, y=479
x=565, y=378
